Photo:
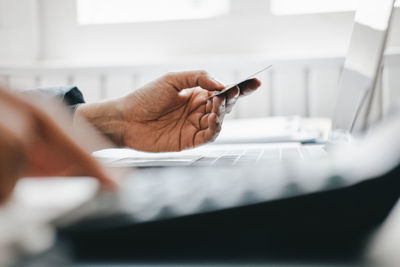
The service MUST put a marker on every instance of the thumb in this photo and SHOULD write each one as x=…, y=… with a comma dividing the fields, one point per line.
x=190, y=79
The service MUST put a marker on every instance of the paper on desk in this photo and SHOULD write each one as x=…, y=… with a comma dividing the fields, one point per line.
x=130, y=158
x=267, y=130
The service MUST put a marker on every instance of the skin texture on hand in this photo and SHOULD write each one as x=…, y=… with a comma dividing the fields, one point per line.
x=172, y=113
x=10, y=162
x=33, y=144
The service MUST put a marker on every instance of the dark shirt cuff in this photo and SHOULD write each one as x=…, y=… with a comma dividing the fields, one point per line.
x=69, y=95
x=73, y=97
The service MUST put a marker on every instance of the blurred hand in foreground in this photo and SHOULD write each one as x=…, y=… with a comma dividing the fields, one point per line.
x=33, y=144
x=175, y=112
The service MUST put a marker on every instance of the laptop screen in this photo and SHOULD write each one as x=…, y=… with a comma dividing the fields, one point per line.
x=363, y=60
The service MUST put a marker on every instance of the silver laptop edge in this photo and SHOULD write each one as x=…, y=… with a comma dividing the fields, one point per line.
x=361, y=67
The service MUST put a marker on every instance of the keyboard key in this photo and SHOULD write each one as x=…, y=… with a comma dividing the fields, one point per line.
x=226, y=160
x=291, y=154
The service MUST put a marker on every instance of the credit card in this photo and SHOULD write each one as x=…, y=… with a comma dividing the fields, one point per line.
x=229, y=87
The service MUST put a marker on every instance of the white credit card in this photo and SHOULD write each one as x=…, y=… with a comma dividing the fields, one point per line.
x=229, y=87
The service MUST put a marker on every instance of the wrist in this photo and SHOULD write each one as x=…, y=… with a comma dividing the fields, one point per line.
x=106, y=117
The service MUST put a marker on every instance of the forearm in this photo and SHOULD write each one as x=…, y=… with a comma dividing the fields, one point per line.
x=105, y=117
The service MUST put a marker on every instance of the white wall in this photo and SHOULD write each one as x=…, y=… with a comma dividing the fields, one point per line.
x=19, y=32
x=250, y=30
x=46, y=30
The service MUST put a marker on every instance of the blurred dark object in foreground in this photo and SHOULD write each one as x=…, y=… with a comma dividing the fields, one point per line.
x=325, y=226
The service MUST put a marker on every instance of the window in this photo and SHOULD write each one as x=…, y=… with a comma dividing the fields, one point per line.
x=292, y=7
x=126, y=11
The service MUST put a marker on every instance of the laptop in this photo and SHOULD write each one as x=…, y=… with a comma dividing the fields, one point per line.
x=356, y=89
x=318, y=211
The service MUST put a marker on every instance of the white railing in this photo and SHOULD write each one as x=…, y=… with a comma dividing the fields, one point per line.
x=302, y=87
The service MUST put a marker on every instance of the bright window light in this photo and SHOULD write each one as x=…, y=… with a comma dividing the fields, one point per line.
x=294, y=7
x=126, y=11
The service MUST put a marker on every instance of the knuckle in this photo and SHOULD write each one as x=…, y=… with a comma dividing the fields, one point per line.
x=202, y=73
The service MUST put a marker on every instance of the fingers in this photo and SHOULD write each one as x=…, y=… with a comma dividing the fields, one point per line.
x=249, y=86
x=214, y=127
x=211, y=121
x=218, y=105
x=231, y=98
x=46, y=137
x=245, y=88
x=210, y=133
x=190, y=79
x=71, y=153
x=209, y=105
x=204, y=122
x=10, y=161
x=215, y=105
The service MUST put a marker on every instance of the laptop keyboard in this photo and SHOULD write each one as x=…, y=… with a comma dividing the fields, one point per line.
x=226, y=155
x=162, y=193
x=249, y=156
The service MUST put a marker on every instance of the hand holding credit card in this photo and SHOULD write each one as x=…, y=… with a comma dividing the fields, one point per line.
x=229, y=87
